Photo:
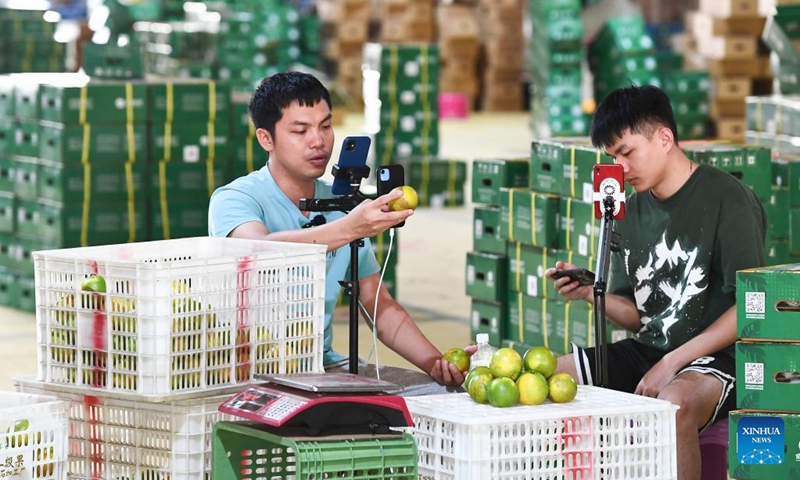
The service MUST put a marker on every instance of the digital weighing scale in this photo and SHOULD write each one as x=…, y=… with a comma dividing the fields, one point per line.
x=322, y=403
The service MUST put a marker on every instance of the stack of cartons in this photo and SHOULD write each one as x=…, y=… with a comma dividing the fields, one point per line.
x=782, y=37
x=345, y=30
x=503, y=40
x=190, y=153
x=439, y=182
x=246, y=153
x=622, y=53
x=764, y=431
x=460, y=47
x=27, y=44
x=487, y=263
x=401, y=88
x=772, y=122
x=689, y=94
x=407, y=21
x=555, y=59
x=560, y=177
x=179, y=49
x=726, y=38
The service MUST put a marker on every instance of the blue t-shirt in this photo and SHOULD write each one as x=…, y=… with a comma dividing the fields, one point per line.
x=257, y=198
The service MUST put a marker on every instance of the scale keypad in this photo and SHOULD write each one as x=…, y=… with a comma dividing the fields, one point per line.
x=283, y=407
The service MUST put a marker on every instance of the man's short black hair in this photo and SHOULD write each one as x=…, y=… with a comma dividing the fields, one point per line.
x=636, y=109
x=277, y=92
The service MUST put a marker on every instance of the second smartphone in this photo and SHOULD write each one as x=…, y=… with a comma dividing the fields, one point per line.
x=390, y=177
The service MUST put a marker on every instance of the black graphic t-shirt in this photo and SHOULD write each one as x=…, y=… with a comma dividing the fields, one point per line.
x=678, y=257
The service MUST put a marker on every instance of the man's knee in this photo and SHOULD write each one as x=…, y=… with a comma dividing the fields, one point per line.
x=566, y=363
x=696, y=394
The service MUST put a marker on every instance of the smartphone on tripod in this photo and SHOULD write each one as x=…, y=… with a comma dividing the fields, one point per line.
x=352, y=155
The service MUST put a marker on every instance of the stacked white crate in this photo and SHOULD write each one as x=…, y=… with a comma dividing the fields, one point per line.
x=602, y=434
x=182, y=325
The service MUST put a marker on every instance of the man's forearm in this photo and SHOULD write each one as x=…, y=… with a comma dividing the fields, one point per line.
x=623, y=312
x=718, y=335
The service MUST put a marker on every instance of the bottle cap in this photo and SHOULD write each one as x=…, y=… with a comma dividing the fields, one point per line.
x=482, y=338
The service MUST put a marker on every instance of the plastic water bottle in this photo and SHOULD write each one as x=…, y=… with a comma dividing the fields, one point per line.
x=483, y=355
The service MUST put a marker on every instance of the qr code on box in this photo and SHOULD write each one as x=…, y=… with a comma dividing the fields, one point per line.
x=754, y=302
x=754, y=373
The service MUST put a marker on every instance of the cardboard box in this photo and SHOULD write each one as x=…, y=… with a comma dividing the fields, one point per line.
x=489, y=175
x=763, y=446
x=777, y=217
x=26, y=138
x=701, y=23
x=491, y=318
x=767, y=376
x=7, y=212
x=486, y=276
x=93, y=102
x=529, y=217
x=732, y=88
x=579, y=161
x=765, y=299
x=75, y=144
x=526, y=267
x=199, y=101
x=546, y=166
x=486, y=230
x=189, y=142
x=781, y=45
x=730, y=129
x=27, y=171
x=579, y=231
x=178, y=219
x=729, y=8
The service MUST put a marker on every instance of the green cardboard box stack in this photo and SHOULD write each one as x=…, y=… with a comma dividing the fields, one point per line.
x=439, y=182
x=180, y=49
x=190, y=153
x=622, y=54
x=487, y=263
x=555, y=54
x=563, y=169
x=246, y=153
x=764, y=432
x=401, y=88
x=689, y=92
x=780, y=36
x=27, y=43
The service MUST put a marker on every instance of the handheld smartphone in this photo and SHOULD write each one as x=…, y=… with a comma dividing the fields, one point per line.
x=583, y=276
x=352, y=155
x=389, y=178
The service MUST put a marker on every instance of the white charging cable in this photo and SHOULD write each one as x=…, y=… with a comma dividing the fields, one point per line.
x=374, y=317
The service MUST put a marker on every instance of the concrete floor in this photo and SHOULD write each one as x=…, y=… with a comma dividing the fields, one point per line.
x=433, y=245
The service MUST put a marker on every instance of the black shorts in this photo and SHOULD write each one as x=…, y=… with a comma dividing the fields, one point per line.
x=629, y=361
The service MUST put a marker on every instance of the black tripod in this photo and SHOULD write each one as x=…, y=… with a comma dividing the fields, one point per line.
x=609, y=241
x=345, y=204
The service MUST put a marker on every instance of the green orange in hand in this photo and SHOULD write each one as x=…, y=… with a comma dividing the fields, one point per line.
x=409, y=200
x=458, y=357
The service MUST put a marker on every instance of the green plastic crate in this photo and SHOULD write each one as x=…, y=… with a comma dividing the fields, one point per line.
x=239, y=450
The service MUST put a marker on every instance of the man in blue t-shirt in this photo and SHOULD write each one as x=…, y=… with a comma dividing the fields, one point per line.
x=291, y=113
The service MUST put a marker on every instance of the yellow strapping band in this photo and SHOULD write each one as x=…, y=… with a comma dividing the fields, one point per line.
x=567, y=307
x=28, y=59
x=544, y=269
x=87, y=142
x=162, y=197
x=170, y=102
x=212, y=101
x=545, y=332
x=129, y=122
x=519, y=267
x=426, y=108
x=248, y=153
x=87, y=201
x=511, y=214
x=592, y=242
x=590, y=322
x=572, y=176
x=167, y=141
x=82, y=106
x=211, y=157
x=521, y=318
x=533, y=219
x=568, y=235
x=131, y=202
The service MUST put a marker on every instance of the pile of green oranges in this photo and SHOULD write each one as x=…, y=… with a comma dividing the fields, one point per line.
x=512, y=378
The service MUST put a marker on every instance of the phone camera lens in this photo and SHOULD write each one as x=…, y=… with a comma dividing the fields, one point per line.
x=350, y=146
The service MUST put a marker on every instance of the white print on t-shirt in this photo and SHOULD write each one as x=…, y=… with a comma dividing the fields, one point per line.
x=675, y=273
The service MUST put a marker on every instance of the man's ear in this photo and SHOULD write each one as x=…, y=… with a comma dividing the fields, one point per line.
x=265, y=139
x=665, y=137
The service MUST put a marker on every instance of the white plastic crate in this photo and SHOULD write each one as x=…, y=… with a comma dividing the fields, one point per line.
x=33, y=437
x=113, y=439
x=600, y=435
x=179, y=316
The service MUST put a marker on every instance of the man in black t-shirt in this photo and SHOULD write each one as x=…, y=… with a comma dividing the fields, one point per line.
x=687, y=229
